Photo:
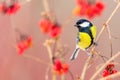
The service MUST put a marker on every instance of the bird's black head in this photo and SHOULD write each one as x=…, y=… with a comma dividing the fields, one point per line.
x=83, y=23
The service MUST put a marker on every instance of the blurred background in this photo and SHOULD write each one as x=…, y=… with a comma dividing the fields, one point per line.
x=15, y=67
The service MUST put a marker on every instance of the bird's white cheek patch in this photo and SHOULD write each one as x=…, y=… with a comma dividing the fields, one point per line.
x=85, y=24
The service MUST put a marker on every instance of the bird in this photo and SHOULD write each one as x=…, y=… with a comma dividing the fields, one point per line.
x=85, y=36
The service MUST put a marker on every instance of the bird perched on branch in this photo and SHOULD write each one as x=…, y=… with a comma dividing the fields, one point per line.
x=85, y=36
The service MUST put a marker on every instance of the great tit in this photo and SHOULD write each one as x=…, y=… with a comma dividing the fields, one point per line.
x=85, y=37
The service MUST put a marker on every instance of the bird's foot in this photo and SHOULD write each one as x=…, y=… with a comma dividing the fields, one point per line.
x=95, y=43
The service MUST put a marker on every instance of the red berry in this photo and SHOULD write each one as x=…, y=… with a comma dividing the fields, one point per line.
x=15, y=8
x=97, y=11
x=21, y=47
x=20, y=51
x=55, y=31
x=2, y=7
x=98, y=8
x=79, y=2
x=29, y=41
x=11, y=9
x=109, y=70
x=110, y=66
x=65, y=68
x=90, y=12
x=84, y=8
x=58, y=65
x=45, y=25
x=60, y=68
x=114, y=71
x=100, y=5
x=105, y=73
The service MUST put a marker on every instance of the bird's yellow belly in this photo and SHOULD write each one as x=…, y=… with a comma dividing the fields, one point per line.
x=85, y=40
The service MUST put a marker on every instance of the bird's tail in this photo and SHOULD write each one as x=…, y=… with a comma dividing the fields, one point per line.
x=75, y=54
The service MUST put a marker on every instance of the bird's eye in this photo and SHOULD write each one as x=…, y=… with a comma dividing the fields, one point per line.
x=84, y=24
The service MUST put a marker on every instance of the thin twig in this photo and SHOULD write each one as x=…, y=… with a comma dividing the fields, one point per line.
x=35, y=59
x=110, y=76
x=113, y=13
x=47, y=44
x=47, y=10
x=72, y=77
x=92, y=62
x=63, y=77
x=52, y=12
x=116, y=1
x=54, y=47
x=110, y=40
x=106, y=23
x=104, y=58
x=50, y=52
x=99, y=70
x=24, y=2
x=85, y=68
x=99, y=35
x=46, y=6
x=46, y=74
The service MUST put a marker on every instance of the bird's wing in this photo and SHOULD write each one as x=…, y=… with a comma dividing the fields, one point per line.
x=76, y=51
x=93, y=31
x=77, y=39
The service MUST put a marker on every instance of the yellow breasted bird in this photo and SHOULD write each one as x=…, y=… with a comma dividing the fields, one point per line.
x=85, y=37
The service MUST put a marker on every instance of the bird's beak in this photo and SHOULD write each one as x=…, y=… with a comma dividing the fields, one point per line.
x=76, y=25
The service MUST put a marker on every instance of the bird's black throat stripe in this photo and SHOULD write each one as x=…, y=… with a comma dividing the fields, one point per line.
x=88, y=31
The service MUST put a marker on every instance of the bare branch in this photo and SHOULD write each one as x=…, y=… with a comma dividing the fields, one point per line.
x=111, y=76
x=85, y=68
x=102, y=67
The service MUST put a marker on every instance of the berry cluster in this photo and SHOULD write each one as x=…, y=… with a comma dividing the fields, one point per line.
x=109, y=70
x=24, y=44
x=88, y=8
x=46, y=26
x=60, y=68
x=11, y=9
